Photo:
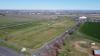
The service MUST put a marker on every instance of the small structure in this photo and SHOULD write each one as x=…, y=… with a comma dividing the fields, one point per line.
x=93, y=44
x=83, y=19
x=96, y=52
x=33, y=13
x=23, y=49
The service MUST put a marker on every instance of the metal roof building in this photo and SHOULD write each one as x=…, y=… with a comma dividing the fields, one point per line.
x=96, y=52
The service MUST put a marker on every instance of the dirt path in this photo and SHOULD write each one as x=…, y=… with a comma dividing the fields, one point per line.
x=79, y=48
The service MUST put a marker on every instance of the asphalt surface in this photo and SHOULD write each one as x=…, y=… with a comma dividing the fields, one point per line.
x=8, y=52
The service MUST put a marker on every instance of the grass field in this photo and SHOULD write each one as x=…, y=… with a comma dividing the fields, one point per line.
x=33, y=34
x=91, y=29
x=70, y=49
x=78, y=44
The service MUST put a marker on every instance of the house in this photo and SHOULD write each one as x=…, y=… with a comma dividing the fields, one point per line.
x=96, y=52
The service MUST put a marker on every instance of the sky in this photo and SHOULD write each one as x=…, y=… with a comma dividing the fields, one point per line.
x=51, y=4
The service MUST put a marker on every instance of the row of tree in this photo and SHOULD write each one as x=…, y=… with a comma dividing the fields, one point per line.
x=2, y=14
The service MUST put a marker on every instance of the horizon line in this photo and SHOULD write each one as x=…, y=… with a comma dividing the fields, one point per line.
x=50, y=9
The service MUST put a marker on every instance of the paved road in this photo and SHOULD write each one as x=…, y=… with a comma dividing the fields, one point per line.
x=8, y=52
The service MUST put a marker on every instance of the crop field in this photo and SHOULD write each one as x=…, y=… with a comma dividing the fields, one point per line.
x=91, y=29
x=31, y=34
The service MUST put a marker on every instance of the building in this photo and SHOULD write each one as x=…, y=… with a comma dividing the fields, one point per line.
x=83, y=19
x=96, y=52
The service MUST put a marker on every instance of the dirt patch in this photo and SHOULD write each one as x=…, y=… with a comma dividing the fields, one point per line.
x=78, y=47
x=83, y=46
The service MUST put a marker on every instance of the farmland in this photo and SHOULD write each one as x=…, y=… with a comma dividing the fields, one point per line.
x=33, y=32
x=91, y=29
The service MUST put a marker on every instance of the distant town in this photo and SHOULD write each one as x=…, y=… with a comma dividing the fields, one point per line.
x=50, y=12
